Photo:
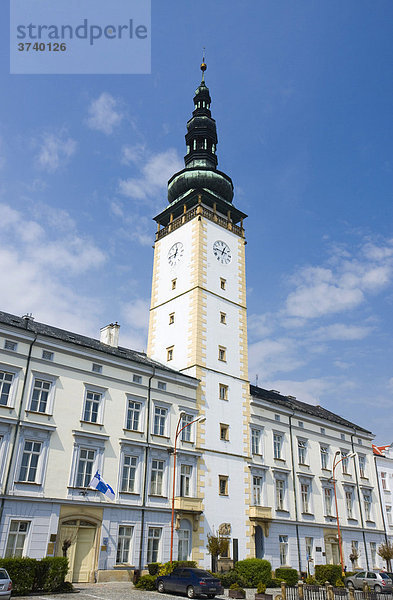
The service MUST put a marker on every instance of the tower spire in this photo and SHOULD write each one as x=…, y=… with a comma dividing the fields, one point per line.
x=203, y=66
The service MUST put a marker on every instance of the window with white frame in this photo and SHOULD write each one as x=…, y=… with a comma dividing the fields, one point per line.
x=157, y=476
x=160, y=414
x=373, y=552
x=48, y=355
x=10, y=345
x=133, y=414
x=389, y=515
x=186, y=432
x=324, y=457
x=124, y=540
x=29, y=463
x=283, y=541
x=183, y=544
x=328, y=494
x=280, y=494
x=362, y=465
x=223, y=391
x=277, y=445
x=257, y=490
x=137, y=378
x=383, y=480
x=96, y=368
x=367, y=505
x=86, y=462
x=161, y=385
x=305, y=496
x=128, y=477
x=345, y=462
x=17, y=538
x=185, y=480
x=40, y=395
x=349, y=503
x=153, y=544
x=302, y=451
x=309, y=548
x=92, y=410
x=256, y=440
x=223, y=485
x=6, y=380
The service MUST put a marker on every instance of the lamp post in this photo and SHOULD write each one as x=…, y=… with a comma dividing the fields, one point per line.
x=199, y=419
x=335, y=463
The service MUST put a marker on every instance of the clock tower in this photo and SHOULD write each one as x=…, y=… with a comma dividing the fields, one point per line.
x=198, y=325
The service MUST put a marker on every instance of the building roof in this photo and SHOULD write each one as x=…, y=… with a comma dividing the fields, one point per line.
x=292, y=403
x=29, y=324
x=380, y=450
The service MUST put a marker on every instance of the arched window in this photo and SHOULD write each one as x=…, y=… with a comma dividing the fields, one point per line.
x=184, y=537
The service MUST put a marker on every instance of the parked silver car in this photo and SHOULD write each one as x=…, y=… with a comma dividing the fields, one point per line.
x=379, y=582
x=5, y=585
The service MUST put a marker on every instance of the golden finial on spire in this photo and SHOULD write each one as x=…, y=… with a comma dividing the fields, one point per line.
x=203, y=65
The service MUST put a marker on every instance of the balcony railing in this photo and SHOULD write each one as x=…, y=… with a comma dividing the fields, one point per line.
x=222, y=221
x=260, y=513
x=188, y=504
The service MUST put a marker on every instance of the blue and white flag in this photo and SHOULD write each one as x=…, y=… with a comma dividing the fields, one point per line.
x=99, y=484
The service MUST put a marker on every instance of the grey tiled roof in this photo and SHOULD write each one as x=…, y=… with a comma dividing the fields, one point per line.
x=298, y=406
x=83, y=341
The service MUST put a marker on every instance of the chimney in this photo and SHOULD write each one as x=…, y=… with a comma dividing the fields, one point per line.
x=110, y=335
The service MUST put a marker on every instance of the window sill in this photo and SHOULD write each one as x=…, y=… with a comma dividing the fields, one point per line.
x=132, y=430
x=257, y=454
x=163, y=437
x=280, y=459
x=283, y=510
x=330, y=517
x=352, y=519
x=224, y=495
x=28, y=483
x=92, y=423
x=364, y=478
x=309, y=514
x=158, y=496
x=304, y=465
x=129, y=493
x=370, y=521
x=38, y=412
x=326, y=469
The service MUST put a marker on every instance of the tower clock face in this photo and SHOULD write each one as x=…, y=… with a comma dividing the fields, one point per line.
x=222, y=252
x=175, y=253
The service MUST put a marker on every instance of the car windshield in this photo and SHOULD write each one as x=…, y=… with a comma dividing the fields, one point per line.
x=384, y=576
x=3, y=574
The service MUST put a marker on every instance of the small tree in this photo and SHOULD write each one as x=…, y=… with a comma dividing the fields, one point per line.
x=354, y=557
x=216, y=546
x=385, y=551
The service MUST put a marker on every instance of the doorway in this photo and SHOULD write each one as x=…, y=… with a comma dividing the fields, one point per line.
x=78, y=541
x=259, y=542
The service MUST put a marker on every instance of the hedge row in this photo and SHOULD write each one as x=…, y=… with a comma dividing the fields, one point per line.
x=31, y=575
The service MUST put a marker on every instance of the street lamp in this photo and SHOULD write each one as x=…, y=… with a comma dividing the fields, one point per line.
x=199, y=419
x=335, y=463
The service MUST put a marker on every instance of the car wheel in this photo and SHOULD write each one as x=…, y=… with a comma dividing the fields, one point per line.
x=350, y=585
x=378, y=589
x=161, y=587
x=190, y=592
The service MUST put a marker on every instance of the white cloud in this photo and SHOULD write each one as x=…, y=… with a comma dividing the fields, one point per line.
x=270, y=356
x=2, y=153
x=136, y=318
x=133, y=154
x=340, y=331
x=55, y=149
x=104, y=114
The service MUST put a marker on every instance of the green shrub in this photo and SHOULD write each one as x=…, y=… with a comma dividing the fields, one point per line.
x=330, y=573
x=275, y=582
x=339, y=583
x=234, y=586
x=254, y=570
x=261, y=589
x=310, y=580
x=167, y=568
x=22, y=572
x=56, y=568
x=229, y=577
x=154, y=568
x=146, y=582
x=290, y=576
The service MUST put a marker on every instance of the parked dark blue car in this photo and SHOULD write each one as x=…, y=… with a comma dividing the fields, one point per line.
x=193, y=582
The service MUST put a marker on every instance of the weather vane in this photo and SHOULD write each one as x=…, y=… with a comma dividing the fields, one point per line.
x=203, y=65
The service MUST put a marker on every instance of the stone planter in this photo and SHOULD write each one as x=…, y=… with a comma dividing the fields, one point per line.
x=240, y=594
x=263, y=596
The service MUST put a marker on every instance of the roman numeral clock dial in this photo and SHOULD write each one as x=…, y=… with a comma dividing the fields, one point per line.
x=175, y=253
x=222, y=252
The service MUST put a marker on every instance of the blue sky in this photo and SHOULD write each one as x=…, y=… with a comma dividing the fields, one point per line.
x=302, y=95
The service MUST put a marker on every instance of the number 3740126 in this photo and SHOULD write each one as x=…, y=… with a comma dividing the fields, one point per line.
x=42, y=47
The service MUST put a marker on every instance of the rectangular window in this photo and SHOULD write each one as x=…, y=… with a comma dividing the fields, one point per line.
x=223, y=485
x=362, y=465
x=6, y=380
x=367, y=505
x=343, y=436
x=153, y=544
x=92, y=406
x=159, y=420
x=29, y=464
x=223, y=318
x=185, y=480
x=123, y=545
x=157, y=475
x=186, y=432
x=345, y=462
x=39, y=398
x=224, y=432
x=133, y=415
x=283, y=541
x=257, y=490
x=373, y=552
x=255, y=441
x=389, y=515
x=173, y=284
x=171, y=318
x=137, y=378
x=96, y=368
x=47, y=355
x=222, y=353
x=129, y=472
x=223, y=391
x=276, y=417
x=349, y=503
x=309, y=548
x=302, y=451
x=183, y=544
x=305, y=493
x=301, y=424
x=277, y=445
x=10, y=345
x=17, y=539
x=280, y=494
x=85, y=467
x=223, y=283
x=324, y=457
x=161, y=385
x=328, y=502
x=169, y=353
x=323, y=431
x=383, y=480
x=359, y=441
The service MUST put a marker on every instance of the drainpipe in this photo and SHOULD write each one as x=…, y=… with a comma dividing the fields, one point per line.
x=16, y=428
x=145, y=469
x=295, y=494
x=360, y=503
x=380, y=501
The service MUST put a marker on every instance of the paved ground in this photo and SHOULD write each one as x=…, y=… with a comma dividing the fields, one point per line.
x=120, y=591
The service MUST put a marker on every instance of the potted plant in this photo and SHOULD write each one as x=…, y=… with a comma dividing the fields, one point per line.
x=261, y=592
x=235, y=591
